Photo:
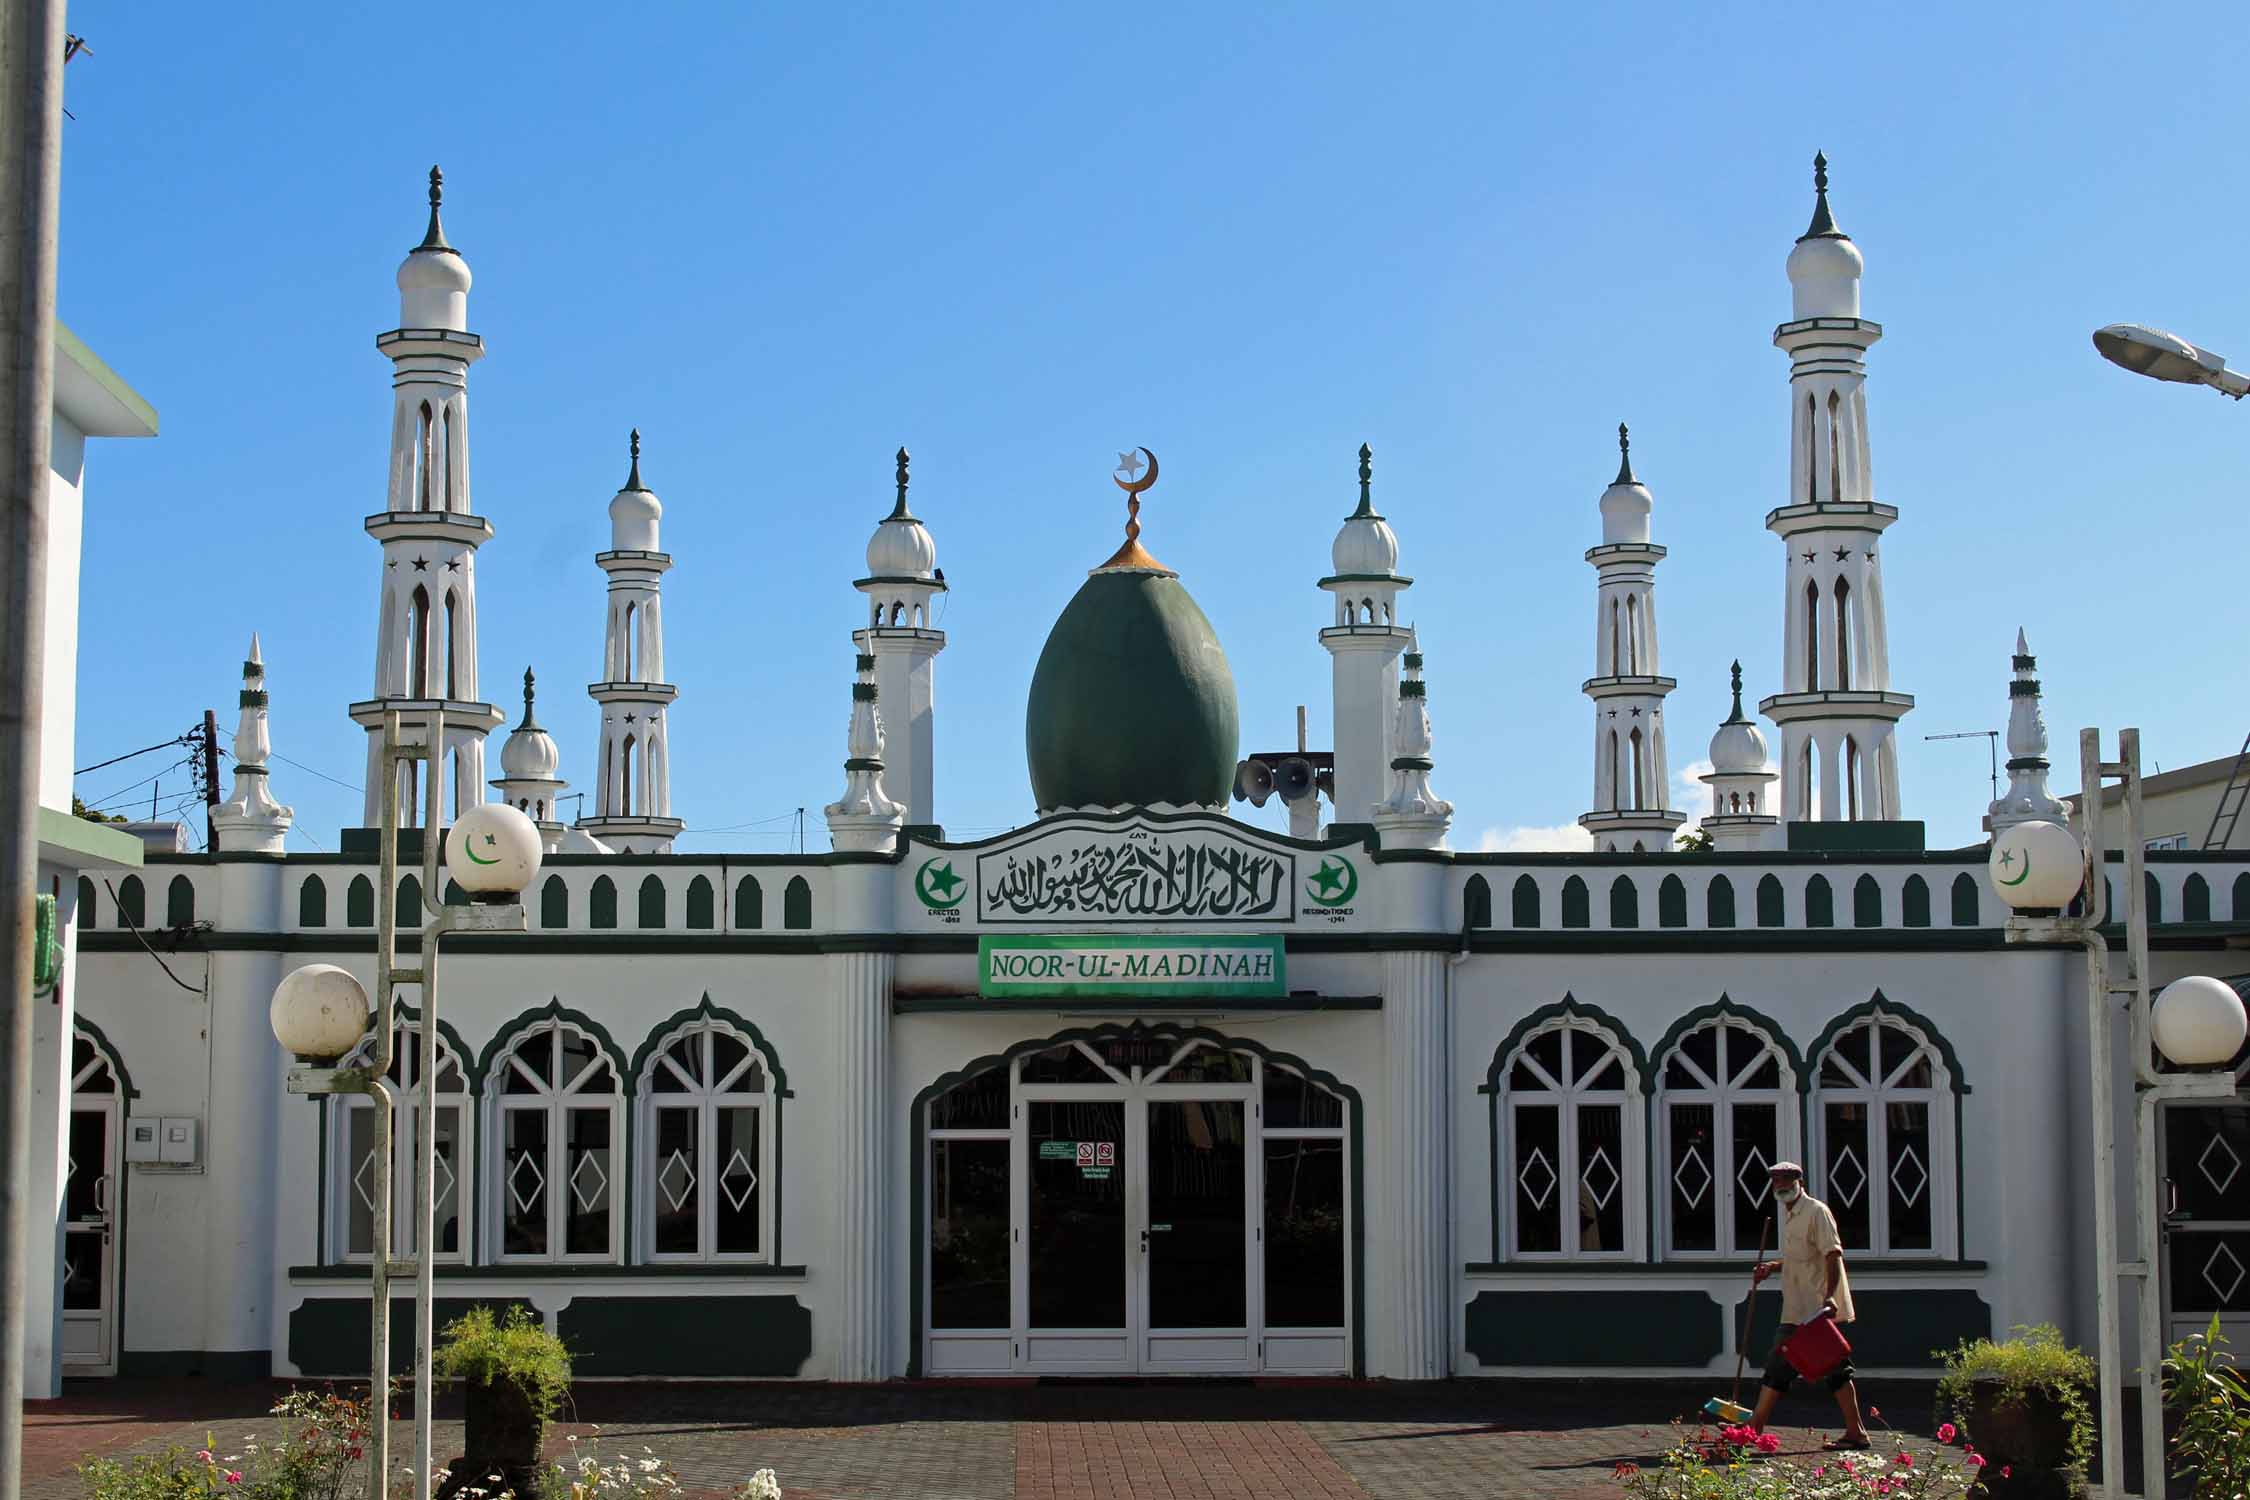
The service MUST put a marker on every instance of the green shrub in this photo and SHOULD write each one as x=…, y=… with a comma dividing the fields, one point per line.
x=2035, y=1361
x=515, y=1350
x=2212, y=1399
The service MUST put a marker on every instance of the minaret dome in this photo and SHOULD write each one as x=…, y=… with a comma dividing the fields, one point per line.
x=434, y=280
x=1824, y=265
x=1366, y=546
x=634, y=514
x=901, y=546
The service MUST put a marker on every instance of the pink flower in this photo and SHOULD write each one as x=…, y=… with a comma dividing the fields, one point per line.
x=1947, y=1432
x=1768, y=1443
x=1846, y=1465
x=2007, y=1471
x=1976, y=1460
x=1821, y=1472
x=1905, y=1460
x=234, y=1476
x=1875, y=1413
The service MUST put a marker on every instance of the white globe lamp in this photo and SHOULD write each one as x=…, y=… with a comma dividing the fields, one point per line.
x=2198, y=1022
x=492, y=851
x=319, y=1012
x=2036, y=866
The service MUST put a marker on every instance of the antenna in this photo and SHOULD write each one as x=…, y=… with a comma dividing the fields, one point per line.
x=1991, y=737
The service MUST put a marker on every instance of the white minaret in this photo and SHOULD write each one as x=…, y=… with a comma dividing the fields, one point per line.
x=1365, y=642
x=1836, y=711
x=1412, y=816
x=1742, y=815
x=527, y=781
x=633, y=798
x=865, y=818
x=426, y=627
x=1632, y=785
x=2027, y=799
x=902, y=582
x=251, y=822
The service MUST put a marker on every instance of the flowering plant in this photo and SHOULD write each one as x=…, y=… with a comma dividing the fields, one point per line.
x=583, y=1476
x=1734, y=1466
x=316, y=1459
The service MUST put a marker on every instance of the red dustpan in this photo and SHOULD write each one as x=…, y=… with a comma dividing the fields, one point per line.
x=1817, y=1347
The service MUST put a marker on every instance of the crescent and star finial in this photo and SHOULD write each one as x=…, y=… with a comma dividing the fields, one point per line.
x=1129, y=478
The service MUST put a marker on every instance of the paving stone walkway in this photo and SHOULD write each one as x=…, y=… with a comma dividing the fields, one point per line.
x=1558, y=1440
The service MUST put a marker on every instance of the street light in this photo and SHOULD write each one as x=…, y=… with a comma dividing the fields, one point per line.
x=2167, y=356
x=492, y=853
x=2037, y=868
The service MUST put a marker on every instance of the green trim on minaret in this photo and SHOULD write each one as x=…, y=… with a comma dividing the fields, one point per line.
x=434, y=237
x=1366, y=482
x=528, y=721
x=899, y=512
x=1737, y=716
x=633, y=480
x=1823, y=223
x=1624, y=458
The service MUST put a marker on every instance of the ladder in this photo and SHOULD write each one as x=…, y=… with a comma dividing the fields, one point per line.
x=2229, y=810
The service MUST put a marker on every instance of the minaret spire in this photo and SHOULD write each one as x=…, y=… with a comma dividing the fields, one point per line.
x=1366, y=509
x=251, y=821
x=2026, y=799
x=1632, y=784
x=902, y=587
x=434, y=237
x=528, y=781
x=1364, y=639
x=633, y=799
x=1823, y=222
x=1624, y=457
x=1741, y=816
x=633, y=479
x=1735, y=715
x=1412, y=816
x=865, y=817
x=899, y=512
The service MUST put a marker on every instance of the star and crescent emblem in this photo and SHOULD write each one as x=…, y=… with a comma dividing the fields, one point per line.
x=2008, y=861
x=468, y=848
x=1333, y=884
x=937, y=884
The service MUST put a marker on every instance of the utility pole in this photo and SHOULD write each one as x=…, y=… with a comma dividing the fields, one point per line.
x=210, y=766
x=31, y=63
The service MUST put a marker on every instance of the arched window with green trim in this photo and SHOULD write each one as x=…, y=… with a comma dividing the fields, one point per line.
x=1718, y=902
x=1914, y=902
x=82, y=916
x=1770, y=913
x=1624, y=902
x=359, y=902
x=601, y=903
x=1820, y=903
x=556, y=1127
x=1577, y=905
x=312, y=902
x=1671, y=902
x=1964, y=900
x=1523, y=902
x=2195, y=899
x=2152, y=896
x=749, y=904
x=1867, y=902
x=707, y=1102
x=454, y=895
x=1476, y=902
x=407, y=910
x=132, y=903
x=2240, y=910
x=1727, y=1111
x=179, y=902
x=651, y=917
x=796, y=903
x=1884, y=1109
x=554, y=904
x=1568, y=1161
x=702, y=914
x=351, y=1145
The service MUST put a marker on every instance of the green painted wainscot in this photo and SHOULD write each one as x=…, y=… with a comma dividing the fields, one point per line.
x=328, y=1335
x=714, y=1337
x=1596, y=1328
x=1898, y=1328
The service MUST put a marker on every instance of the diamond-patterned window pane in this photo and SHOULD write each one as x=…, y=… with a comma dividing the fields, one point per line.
x=1538, y=1178
x=525, y=1183
x=589, y=1184
x=1600, y=1177
x=1847, y=1179
x=2219, y=1164
x=738, y=1181
x=1907, y=1176
x=1754, y=1177
x=363, y=1181
x=1693, y=1177
x=677, y=1180
x=2223, y=1273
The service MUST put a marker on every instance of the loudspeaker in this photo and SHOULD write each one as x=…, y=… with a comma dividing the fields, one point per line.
x=1253, y=782
x=1295, y=779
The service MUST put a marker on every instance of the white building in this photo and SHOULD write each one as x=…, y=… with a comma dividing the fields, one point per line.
x=1137, y=1087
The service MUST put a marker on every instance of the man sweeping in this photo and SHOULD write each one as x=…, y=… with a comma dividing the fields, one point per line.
x=1812, y=1282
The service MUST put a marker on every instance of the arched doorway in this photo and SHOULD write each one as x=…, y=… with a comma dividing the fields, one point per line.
x=93, y=1174
x=1136, y=1199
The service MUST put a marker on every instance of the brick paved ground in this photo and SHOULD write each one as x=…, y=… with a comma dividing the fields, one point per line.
x=1047, y=1441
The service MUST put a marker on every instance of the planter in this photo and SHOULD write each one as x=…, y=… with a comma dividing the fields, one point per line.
x=503, y=1437
x=2029, y=1437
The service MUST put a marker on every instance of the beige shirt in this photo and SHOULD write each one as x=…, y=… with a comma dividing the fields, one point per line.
x=1808, y=1234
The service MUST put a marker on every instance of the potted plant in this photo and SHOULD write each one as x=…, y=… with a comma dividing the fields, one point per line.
x=2023, y=1402
x=512, y=1373
x=2210, y=1403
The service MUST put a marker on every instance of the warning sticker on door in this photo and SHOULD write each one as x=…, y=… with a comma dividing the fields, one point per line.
x=1095, y=1159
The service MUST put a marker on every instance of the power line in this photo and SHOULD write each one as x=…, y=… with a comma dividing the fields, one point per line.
x=323, y=775
x=128, y=755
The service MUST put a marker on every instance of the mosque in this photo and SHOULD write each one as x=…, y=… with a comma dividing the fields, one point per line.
x=1135, y=1088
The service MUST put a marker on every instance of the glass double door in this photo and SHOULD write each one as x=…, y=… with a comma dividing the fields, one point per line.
x=89, y=1239
x=1137, y=1249
x=2205, y=1187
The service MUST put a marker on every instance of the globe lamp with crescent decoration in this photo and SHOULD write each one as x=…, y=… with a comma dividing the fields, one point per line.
x=319, y=1012
x=492, y=851
x=2036, y=866
x=2198, y=1022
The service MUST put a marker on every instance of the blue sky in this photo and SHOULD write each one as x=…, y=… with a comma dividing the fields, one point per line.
x=783, y=241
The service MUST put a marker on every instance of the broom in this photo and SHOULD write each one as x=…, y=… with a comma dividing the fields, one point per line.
x=1729, y=1409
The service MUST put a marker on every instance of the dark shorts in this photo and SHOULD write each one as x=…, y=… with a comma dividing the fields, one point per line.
x=1780, y=1374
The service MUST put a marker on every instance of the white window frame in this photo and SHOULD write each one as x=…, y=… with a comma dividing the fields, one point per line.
x=1721, y=1096
x=1631, y=1173
x=577, y=1094
x=707, y=1101
x=406, y=1122
x=1877, y=1094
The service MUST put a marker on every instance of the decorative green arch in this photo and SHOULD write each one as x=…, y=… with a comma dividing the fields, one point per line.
x=701, y=1013
x=1723, y=1009
x=1568, y=1008
x=110, y=1055
x=552, y=1012
x=1880, y=1004
x=403, y=1014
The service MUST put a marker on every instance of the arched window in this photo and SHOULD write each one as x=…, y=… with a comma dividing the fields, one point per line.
x=454, y=895
x=179, y=902
x=1770, y=913
x=1476, y=902
x=1671, y=902
x=652, y=903
x=601, y=903
x=418, y=644
x=1523, y=902
x=351, y=1153
x=1851, y=778
x=749, y=905
x=557, y=1098
x=1624, y=902
x=82, y=916
x=554, y=903
x=706, y=1162
x=452, y=661
x=1820, y=903
x=1616, y=640
x=1633, y=652
x=2152, y=896
x=625, y=777
x=406, y=911
x=1867, y=902
x=2240, y=910
x=423, y=442
x=2195, y=899
x=359, y=902
x=1577, y=906
x=1883, y=1107
x=1728, y=1113
x=628, y=665
x=1914, y=902
x=131, y=903
x=1843, y=635
x=1812, y=637
x=1808, y=795
x=312, y=902
x=1640, y=771
x=449, y=464
x=701, y=904
x=1835, y=450
x=1964, y=900
x=796, y=903
x=1718, y=902
x=1570, y=1108
x=1616, y=775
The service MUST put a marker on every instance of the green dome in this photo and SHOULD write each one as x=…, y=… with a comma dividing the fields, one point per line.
x=1132, y=702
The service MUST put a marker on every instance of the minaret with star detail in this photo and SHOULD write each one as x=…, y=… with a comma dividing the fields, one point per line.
x=426, y=624
x=1836, y=711
x=1632, y=782
x=633, y=790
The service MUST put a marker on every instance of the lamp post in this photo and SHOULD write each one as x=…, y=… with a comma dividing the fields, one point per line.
x=2167, y=356
x=2037, y=868
x=493, y=854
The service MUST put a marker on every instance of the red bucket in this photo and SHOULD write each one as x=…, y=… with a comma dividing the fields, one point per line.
x=1817, y=1347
